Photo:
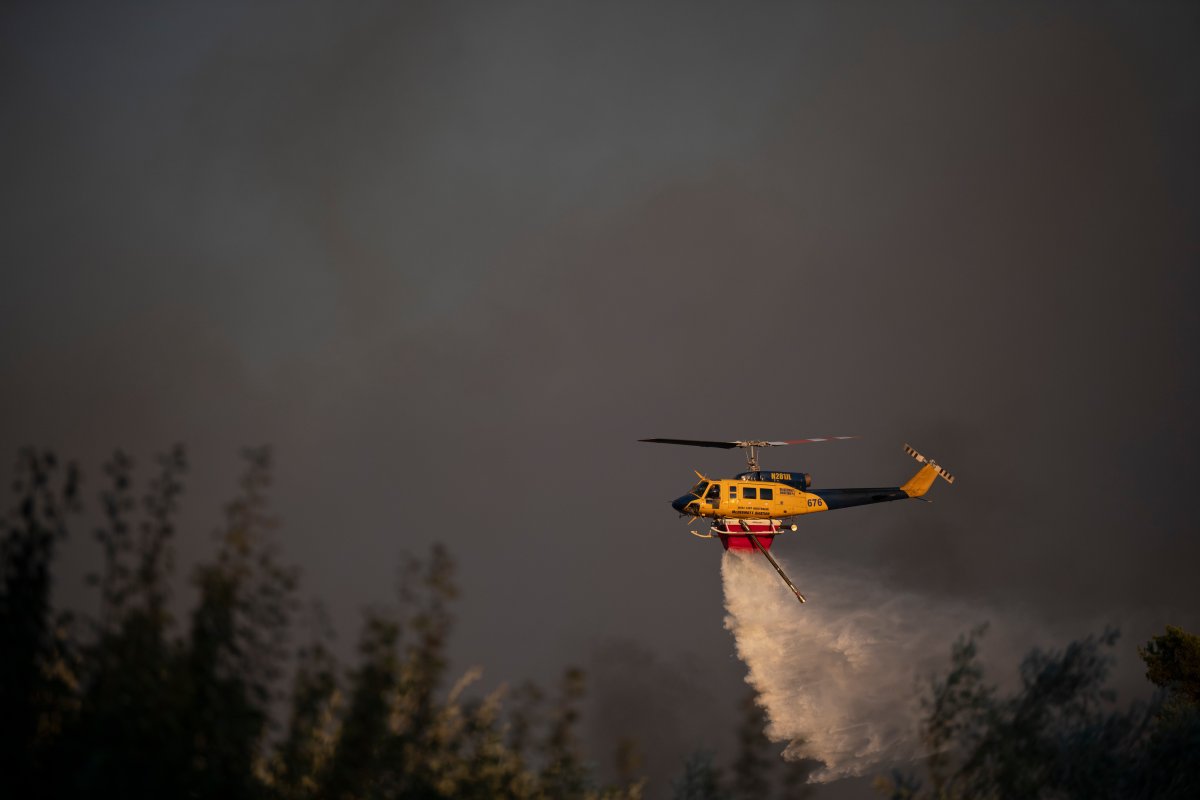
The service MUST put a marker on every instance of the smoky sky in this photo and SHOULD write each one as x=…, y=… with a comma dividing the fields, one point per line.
x=453, y=260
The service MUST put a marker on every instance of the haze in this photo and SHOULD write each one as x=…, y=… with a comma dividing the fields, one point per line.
x=453, y=260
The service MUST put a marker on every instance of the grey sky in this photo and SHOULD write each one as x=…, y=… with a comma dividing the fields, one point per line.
x=422, y=248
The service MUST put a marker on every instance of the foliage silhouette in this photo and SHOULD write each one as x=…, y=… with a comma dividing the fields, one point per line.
x=35, y=666
x=701, y=779
x=758, y=769
x=132, y=703
x=1059, y=735
x=1173, y=664
x=128, y=705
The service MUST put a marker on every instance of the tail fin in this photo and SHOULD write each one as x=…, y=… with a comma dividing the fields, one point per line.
x=919, y=484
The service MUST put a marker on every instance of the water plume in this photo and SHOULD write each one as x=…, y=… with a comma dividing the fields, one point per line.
x=841, y=677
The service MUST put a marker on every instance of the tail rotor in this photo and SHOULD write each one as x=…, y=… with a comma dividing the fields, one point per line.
x=923, y=460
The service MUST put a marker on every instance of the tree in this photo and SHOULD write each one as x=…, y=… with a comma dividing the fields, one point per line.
x=159, y=714
x=758, y=767
x=1173, y=664
x=755, y=757
x=36, y=674
x=308, y=743
x=564, y=774
x=629, y=762
x=130, y=700
x=701, y=779
x=362, y=737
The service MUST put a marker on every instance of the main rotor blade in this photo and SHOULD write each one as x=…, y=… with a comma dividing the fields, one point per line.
x=731, y=445
x=695, y=443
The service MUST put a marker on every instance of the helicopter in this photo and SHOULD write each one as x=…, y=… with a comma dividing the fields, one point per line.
x=750, y=509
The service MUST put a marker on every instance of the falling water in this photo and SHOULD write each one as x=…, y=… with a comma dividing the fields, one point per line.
x=841, y=677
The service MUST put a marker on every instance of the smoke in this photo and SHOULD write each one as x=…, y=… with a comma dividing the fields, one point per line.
x=841, y=677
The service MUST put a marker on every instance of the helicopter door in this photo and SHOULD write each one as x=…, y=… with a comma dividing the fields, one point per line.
x=713, y=497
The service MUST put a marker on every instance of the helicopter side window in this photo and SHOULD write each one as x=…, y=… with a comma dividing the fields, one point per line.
x=766, y=494
x=748, y=492
x=733, y=493
x=714, y=492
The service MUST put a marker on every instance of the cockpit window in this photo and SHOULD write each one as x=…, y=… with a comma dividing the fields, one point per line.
x=714, y=492
x=698, y=489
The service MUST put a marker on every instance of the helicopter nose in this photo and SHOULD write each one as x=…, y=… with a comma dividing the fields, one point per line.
x=680, y=503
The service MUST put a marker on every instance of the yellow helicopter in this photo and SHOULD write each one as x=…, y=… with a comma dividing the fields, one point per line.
x=749, y=510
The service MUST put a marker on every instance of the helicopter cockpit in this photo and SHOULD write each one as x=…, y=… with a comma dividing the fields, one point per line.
x=706, y=491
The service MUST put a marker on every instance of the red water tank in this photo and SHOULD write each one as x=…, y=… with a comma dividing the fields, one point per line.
x=733, y=534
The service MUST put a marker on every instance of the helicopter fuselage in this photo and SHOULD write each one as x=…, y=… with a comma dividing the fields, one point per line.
x=779, y=495
x=748, y=496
